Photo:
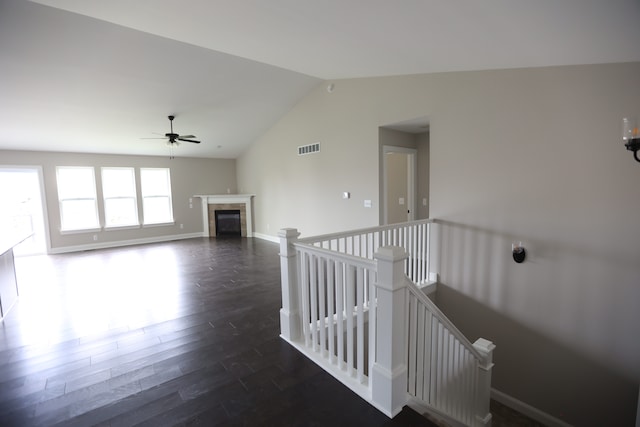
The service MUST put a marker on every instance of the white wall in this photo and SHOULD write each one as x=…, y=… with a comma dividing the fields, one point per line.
x=529, y=154
x=189, y=176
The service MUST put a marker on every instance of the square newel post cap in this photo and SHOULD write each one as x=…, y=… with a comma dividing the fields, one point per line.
x=391, y=253
x=288, y=233
x=484, y=346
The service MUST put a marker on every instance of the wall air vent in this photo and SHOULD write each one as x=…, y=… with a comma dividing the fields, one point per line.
x=309, y=149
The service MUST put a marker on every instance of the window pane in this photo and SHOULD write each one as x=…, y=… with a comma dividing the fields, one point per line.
x=76, y=183
x=157, y=210
x=118, y=182
x=77, y=198
x=78, y=214
x=155, y=182
x=120, y=211
x=156, y=196
x=119, y=191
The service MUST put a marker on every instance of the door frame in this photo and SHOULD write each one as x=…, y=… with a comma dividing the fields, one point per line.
x=412, y=179
x=43, y=199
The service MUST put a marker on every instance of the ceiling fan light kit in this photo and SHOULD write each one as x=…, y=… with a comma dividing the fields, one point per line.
x=172, y=138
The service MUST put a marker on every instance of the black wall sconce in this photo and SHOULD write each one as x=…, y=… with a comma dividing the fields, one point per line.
x=631, y=136
x=518, y=251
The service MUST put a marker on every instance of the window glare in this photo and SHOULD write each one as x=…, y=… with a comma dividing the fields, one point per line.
x=156, y=195
x=76, y=183
x=119, y=193
x=77, y=198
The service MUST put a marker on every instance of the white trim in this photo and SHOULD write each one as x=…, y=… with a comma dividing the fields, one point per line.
x=528, y=410
x=158, y=224
x=79, y=230
x=412, y=179
x=43, y=198
x=119, y=243
x=267, y=237
x=638, y=410
x=121, y=227
x=214, y=199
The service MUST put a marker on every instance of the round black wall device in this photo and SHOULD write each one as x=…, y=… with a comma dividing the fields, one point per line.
x=519, y=254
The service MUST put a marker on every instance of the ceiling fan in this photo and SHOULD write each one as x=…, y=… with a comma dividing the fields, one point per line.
x=173, y=138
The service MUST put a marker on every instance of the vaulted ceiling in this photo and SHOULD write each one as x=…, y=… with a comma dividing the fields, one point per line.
x=99, y=75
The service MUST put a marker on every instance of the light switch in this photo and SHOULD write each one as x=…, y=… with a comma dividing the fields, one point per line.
x=346, y=195
x=424, y=202
x=401, y=200
x=367, y=203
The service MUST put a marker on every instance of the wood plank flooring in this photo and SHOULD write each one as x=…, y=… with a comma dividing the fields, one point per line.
x=178, y=333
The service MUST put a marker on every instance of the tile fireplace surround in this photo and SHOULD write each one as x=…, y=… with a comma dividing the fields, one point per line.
x=213, y=202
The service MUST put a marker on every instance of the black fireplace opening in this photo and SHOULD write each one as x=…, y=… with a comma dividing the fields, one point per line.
x=228, y=223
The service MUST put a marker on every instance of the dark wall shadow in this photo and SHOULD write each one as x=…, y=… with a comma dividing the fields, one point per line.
x=532, y=366
x=541, y=372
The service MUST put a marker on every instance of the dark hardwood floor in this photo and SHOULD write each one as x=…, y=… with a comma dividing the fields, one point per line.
x=177, y=333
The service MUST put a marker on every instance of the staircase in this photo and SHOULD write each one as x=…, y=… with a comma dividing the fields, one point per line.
x=356, y=304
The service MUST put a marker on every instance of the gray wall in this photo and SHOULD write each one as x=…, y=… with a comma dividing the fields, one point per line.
x=527, y=154
x=189, y=176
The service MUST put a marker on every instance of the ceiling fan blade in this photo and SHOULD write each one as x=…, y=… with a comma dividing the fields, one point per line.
x=187, y=136
x=159, y=137
x=189, y=140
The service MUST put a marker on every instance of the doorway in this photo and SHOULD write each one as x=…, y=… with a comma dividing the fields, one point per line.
x=399, y=170
x=21, y=191
x=404, y=170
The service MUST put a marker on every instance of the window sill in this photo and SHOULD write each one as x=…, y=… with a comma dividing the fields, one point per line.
x=121, y=227
x=159, y=224
x=80, y=231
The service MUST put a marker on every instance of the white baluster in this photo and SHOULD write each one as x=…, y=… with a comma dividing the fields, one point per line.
x=331, y=311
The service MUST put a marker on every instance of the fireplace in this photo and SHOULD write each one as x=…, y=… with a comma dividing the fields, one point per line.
x=224, y=202
x=228, y=222
x=230, y=212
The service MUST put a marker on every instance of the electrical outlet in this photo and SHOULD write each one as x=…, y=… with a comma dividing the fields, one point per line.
x=95, y=237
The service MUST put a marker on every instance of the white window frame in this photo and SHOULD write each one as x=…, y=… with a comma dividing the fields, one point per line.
x=69, y=228
x=129, y=194
x=148, y=195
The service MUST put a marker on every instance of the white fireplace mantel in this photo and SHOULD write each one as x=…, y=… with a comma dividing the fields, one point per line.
x=215, y=199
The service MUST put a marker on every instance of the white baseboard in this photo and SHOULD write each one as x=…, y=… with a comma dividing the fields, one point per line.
x=119, y=243
x=528, y=410
x=273, y=239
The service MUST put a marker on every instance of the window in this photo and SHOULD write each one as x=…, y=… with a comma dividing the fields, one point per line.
x=156, y=196
x=119, y=193
x=77, y=198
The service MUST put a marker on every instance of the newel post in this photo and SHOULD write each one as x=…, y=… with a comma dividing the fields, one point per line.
x=389, y=373
x=290, y=311
x=483, y=396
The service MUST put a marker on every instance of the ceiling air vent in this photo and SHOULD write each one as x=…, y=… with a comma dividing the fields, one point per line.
x=309, y=149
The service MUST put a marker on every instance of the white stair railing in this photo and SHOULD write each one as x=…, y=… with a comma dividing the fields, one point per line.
x=446, y=372
x=412, y=236
x=351, y=307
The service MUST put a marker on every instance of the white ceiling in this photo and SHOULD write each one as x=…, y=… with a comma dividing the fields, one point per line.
x=99, y=75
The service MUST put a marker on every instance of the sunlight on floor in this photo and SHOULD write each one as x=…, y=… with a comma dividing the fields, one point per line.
x=127, y=289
